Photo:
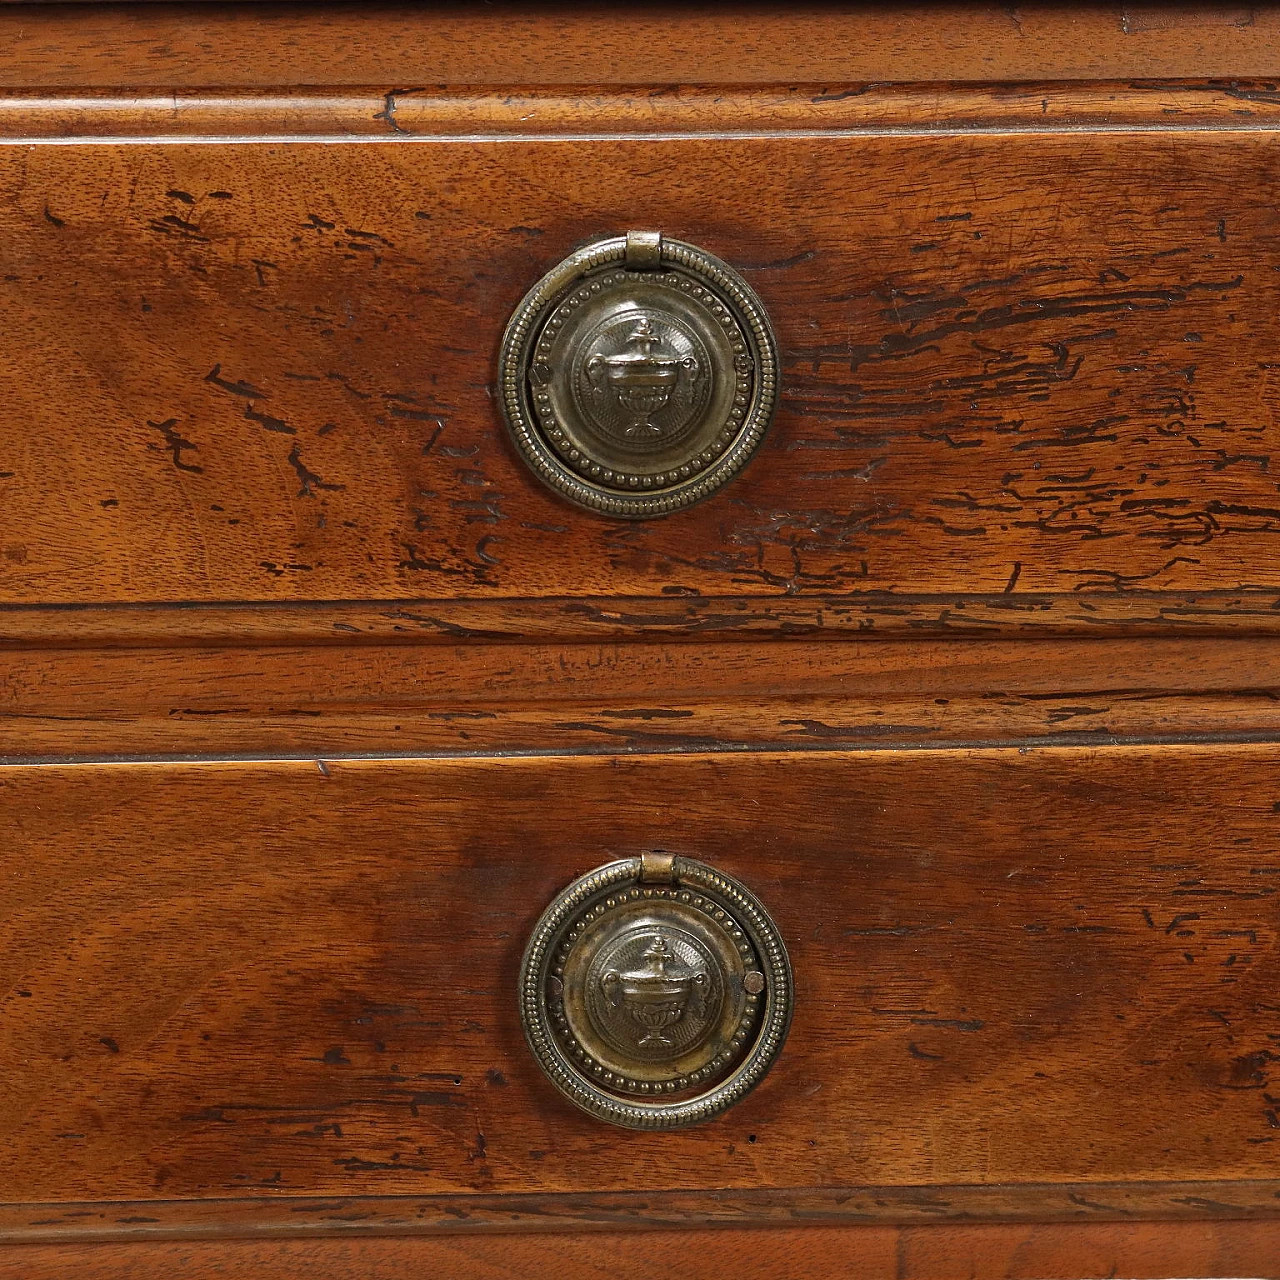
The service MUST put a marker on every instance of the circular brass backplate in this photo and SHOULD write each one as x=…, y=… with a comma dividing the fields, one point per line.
x=639, y=375
x=655, y=1002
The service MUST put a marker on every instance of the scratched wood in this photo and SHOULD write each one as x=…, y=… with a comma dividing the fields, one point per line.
x=680, y=108
x=1145, y=1251
x=1012, y=967
x=265, y=373
x=272, y=1215
x=255, y=502
x=622, y=697
x=1205, y=614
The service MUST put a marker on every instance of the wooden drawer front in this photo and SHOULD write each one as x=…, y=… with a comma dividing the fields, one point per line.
x=1018, y=366
x=1012, y=967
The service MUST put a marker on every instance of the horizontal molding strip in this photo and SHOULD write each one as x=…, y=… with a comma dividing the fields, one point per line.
x=480, y=114
x=1197, y=741
x=367, y=1215
x=128, y=624
x=487, y=699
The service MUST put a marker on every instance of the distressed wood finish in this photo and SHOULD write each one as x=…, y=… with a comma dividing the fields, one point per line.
x=1030, y=615
x=298, y=978
x=265, y=373
x=282, y=1216
x=512, y=43
x=473, y=697
x=725, y=110
x=1138, y=1251
x=311, y=697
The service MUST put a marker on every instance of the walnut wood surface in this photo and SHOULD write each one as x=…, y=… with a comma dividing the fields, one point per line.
x=265, y=373
x=255, y=502
x=225, y=1217
x=1149, y=1251
x=515, y=42
x=1253, y=613
x=298, y=978
x=725, y=110
x=473, y=696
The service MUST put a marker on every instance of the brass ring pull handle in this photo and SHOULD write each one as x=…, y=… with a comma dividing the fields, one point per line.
x=638, y=376
x=655, y=992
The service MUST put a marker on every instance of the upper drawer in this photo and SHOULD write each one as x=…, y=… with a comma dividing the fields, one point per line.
x=1023, y=364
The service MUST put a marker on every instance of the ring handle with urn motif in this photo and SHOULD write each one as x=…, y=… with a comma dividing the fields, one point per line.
x=655, y=992
x=638, y=376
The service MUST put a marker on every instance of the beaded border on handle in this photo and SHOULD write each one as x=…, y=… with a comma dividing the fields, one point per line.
x=522, y=331
x=583, y=1092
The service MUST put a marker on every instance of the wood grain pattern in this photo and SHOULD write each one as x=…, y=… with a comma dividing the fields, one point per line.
x=297, y=978
x=264, y=373
x=1253, y=613
x=724, y=110
x=474, y=696
x=513, y=43
x=282, y=1216
x=255, y=503
x=1149, y=1251
x=303, y=730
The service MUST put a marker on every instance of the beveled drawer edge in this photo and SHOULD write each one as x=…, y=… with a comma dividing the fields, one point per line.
x=918, y=1251
x=1238, y=610
x=371, y=113
x=397, y=1214
x=741, y=693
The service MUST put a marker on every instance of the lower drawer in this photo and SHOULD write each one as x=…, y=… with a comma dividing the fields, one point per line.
x=1057, y=1251
x=1016, y=971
